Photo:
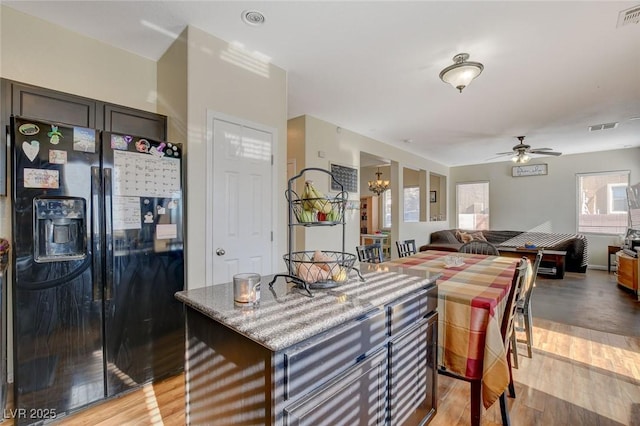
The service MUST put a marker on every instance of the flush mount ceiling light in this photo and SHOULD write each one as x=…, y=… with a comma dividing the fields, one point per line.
x=253, y=17
x=378, y=186
x=460, y=74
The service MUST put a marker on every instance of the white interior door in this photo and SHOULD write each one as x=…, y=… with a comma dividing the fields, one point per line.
x=241, y=216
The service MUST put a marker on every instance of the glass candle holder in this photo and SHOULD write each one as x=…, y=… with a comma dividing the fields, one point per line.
x=246, y=288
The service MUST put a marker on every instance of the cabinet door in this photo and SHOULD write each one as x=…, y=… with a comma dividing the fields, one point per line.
x=412, y=374
x=627, y=271
x=356, y=397
x=135, y=122
x=49, y=105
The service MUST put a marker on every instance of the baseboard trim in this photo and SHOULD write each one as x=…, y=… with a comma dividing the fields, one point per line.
x=598, y=267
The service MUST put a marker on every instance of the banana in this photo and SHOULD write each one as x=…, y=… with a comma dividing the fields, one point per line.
x=307, y=204
x=321, y=203
x=312, y=199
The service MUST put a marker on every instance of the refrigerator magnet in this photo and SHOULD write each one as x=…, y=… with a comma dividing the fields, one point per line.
x=57, y=156
x=160, y=210
x=41, y=178
x=29, y=129
x=148, y=217
x=54, y=135
x=31, y=149
x=166, y=231
x=84, y=139
x=142, y=145
x=157, y=150
x=120, y=142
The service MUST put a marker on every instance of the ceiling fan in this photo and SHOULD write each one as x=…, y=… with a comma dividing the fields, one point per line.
x=521, y=152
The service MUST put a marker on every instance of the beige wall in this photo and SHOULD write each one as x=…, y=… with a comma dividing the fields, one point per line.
x=296, y=154
x=43, y=54
x=547, y=203
x=344, y=146
x=214, y=84
x=172, y=90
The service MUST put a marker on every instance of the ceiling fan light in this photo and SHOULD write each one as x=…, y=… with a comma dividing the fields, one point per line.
x=460, y=74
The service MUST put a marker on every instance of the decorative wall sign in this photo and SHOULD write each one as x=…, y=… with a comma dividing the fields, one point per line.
x=347, y=176
x=433, y=197
x=529, y=170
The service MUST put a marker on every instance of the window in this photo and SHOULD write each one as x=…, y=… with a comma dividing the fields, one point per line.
x=386, y=209
x=602, y=202
x=412, y=204
x=472, y=205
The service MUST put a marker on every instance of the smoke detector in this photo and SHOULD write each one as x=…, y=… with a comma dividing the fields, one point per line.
x=253, y=18
x=605, y=126
x=629, y=16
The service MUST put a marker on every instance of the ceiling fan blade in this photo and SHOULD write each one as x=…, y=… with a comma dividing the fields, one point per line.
x=501, y=154
x=545, y=152
x=541, y=149
x=506, y=153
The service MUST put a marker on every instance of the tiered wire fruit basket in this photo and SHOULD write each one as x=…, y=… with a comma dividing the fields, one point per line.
x=319, y=269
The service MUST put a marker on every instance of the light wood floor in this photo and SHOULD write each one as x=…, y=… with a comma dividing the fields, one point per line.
x=576, y=377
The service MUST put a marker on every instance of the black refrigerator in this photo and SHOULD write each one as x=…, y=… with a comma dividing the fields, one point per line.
x=98, y=256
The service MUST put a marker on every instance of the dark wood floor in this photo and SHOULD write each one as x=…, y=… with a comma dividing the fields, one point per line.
x=592, y=300
x=577, y=375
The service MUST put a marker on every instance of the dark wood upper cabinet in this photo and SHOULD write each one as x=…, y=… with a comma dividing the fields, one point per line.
x=40, y=103
x=49, y=105
x=135, y=122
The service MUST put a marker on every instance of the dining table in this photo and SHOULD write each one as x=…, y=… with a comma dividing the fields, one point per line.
x=380, y=238
x=472, y=296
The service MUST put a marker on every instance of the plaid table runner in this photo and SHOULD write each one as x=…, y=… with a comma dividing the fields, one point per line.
x=471, y=302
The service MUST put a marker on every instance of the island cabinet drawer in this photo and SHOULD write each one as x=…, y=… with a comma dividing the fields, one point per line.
x=408, y=310
x=358, y=396
x=314, y=363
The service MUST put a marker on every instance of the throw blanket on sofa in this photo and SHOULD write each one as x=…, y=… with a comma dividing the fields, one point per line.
x=546, y=240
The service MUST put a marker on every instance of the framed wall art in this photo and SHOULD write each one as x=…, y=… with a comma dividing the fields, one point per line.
x=347, y=176
x=529, y=170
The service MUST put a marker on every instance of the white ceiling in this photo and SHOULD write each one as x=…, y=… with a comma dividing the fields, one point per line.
x=552, y=69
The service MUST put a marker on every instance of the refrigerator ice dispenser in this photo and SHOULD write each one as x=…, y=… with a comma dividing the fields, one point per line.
x=59, y=229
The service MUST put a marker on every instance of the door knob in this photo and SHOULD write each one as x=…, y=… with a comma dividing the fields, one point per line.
x=220, y=252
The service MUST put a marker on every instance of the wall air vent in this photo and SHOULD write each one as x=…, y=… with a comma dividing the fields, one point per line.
x=605, y=126
x=629, y=16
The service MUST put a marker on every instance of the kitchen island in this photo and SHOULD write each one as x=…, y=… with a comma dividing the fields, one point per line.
x=359, y=353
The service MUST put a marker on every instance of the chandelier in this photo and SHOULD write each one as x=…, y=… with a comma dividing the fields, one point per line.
x=460, y=74
x=378, y=186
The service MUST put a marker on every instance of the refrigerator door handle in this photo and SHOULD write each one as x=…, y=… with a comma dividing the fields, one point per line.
x=108, y=234
x=96, y=215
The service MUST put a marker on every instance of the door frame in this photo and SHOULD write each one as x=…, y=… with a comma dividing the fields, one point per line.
x=209, y=245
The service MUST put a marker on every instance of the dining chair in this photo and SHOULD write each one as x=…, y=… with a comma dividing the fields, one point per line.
x=370, y=253
x=506, y=330
x=523, y=313
x=406, y=248
x=479, y=247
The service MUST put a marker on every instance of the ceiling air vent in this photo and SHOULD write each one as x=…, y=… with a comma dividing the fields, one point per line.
x=629, y=16
x=605, y=126
x=252, y=17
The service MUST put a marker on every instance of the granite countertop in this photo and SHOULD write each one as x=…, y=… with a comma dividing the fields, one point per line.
x=286, y=316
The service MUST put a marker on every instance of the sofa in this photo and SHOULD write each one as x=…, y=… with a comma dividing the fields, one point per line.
x=575, y=245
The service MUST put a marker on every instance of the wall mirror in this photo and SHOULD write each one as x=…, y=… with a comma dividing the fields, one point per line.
x=437, y=197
